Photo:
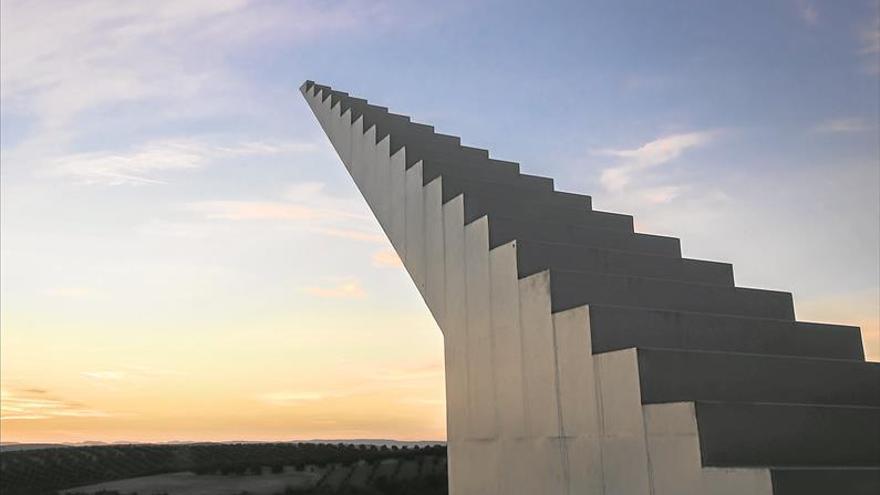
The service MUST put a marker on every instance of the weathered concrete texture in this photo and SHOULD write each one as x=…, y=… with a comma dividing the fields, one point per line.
x=584, y=358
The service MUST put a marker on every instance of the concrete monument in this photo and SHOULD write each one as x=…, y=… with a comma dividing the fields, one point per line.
x=584, y=358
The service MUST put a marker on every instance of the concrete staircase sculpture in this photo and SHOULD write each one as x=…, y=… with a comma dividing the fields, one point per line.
x=582, y=357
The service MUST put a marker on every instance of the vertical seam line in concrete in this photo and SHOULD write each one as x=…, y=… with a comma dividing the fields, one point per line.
x=600, y=408
x=598, y=390
x=647, y=441
x=522, y=362
x=492, y=347
x=563, y=449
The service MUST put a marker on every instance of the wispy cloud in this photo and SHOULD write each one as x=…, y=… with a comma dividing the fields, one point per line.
x=347, y=289
x=143, y=164
x=61, y=58
x=386, y=258
x=257, y=210
x=104, y=375
x=808, y=12
x=414, y=373
x=869, y=44
x=403, y=378
x=178, y=230
x=35, y=404
x=303, y=206
x=288, y=397
x=649, y=155
x=843, y=125
x=304, y=201
x=352, y=234
x=661, y=195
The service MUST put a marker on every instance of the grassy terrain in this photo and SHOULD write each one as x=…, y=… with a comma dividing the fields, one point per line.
x=255, y=468
x=188, y=483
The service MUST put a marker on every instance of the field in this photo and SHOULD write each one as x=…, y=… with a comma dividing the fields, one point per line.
x=253, y=468
x=188, y=483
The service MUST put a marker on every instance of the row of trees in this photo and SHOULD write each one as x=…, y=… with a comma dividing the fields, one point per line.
x=49, y=470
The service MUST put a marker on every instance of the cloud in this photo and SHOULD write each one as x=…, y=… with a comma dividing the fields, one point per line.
x=64, y=58
x=842, y=125
x=352, y=234
x=142, y=164
x=869, y=38
x=257, y=210
x=178, y=230
x=306, y=206
x=386, y=258
x=661, y=195
x=286, y=397
x=150, y=371
x=414, y=373
x=59, y=58
x=347, y=289
x=807, y=12
x=305, y=201
x=649, y=155
x=36, y=404
x=105, y=375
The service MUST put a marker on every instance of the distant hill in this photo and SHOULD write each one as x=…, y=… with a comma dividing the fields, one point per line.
x=14, y=446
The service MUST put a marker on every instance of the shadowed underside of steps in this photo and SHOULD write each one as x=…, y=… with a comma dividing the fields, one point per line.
x=769, y=391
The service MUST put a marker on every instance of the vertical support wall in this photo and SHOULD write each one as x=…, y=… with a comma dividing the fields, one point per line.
x=530, y=409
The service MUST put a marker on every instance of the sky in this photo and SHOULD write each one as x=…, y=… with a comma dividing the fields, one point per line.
x=184, y=257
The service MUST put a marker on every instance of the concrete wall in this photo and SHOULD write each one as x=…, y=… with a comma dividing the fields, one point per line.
x=530, y=409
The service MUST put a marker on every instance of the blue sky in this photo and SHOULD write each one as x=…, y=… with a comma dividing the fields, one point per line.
x=166, y=191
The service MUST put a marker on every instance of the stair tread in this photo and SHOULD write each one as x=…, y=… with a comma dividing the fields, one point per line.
x=672, y=375
x=534, y=256
x=616, y=327
x=570, y=289
x=504, y=229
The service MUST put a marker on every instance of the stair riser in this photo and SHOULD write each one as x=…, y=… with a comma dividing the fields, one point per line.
x=766, y=435
x=572, y=289
x=536, y=211
x=488, y=173
x=453, y=185
x=536, y=256
x=679, y=376
x=503, y=229
x=620, y=328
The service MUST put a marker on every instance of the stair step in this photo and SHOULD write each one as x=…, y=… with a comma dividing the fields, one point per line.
x=454, y=185
x=422, y=144
x=684, y=376
x=478, y=206
x=615, y=328
x=745, y=435
x=535, y=256
x=504, y=228
x=826, y=481
x=491, y=171
x=572, y=289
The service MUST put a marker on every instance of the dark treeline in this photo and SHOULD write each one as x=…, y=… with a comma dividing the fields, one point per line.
x=45, y=471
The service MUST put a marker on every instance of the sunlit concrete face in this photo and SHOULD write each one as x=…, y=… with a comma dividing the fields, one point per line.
x=530, y=408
